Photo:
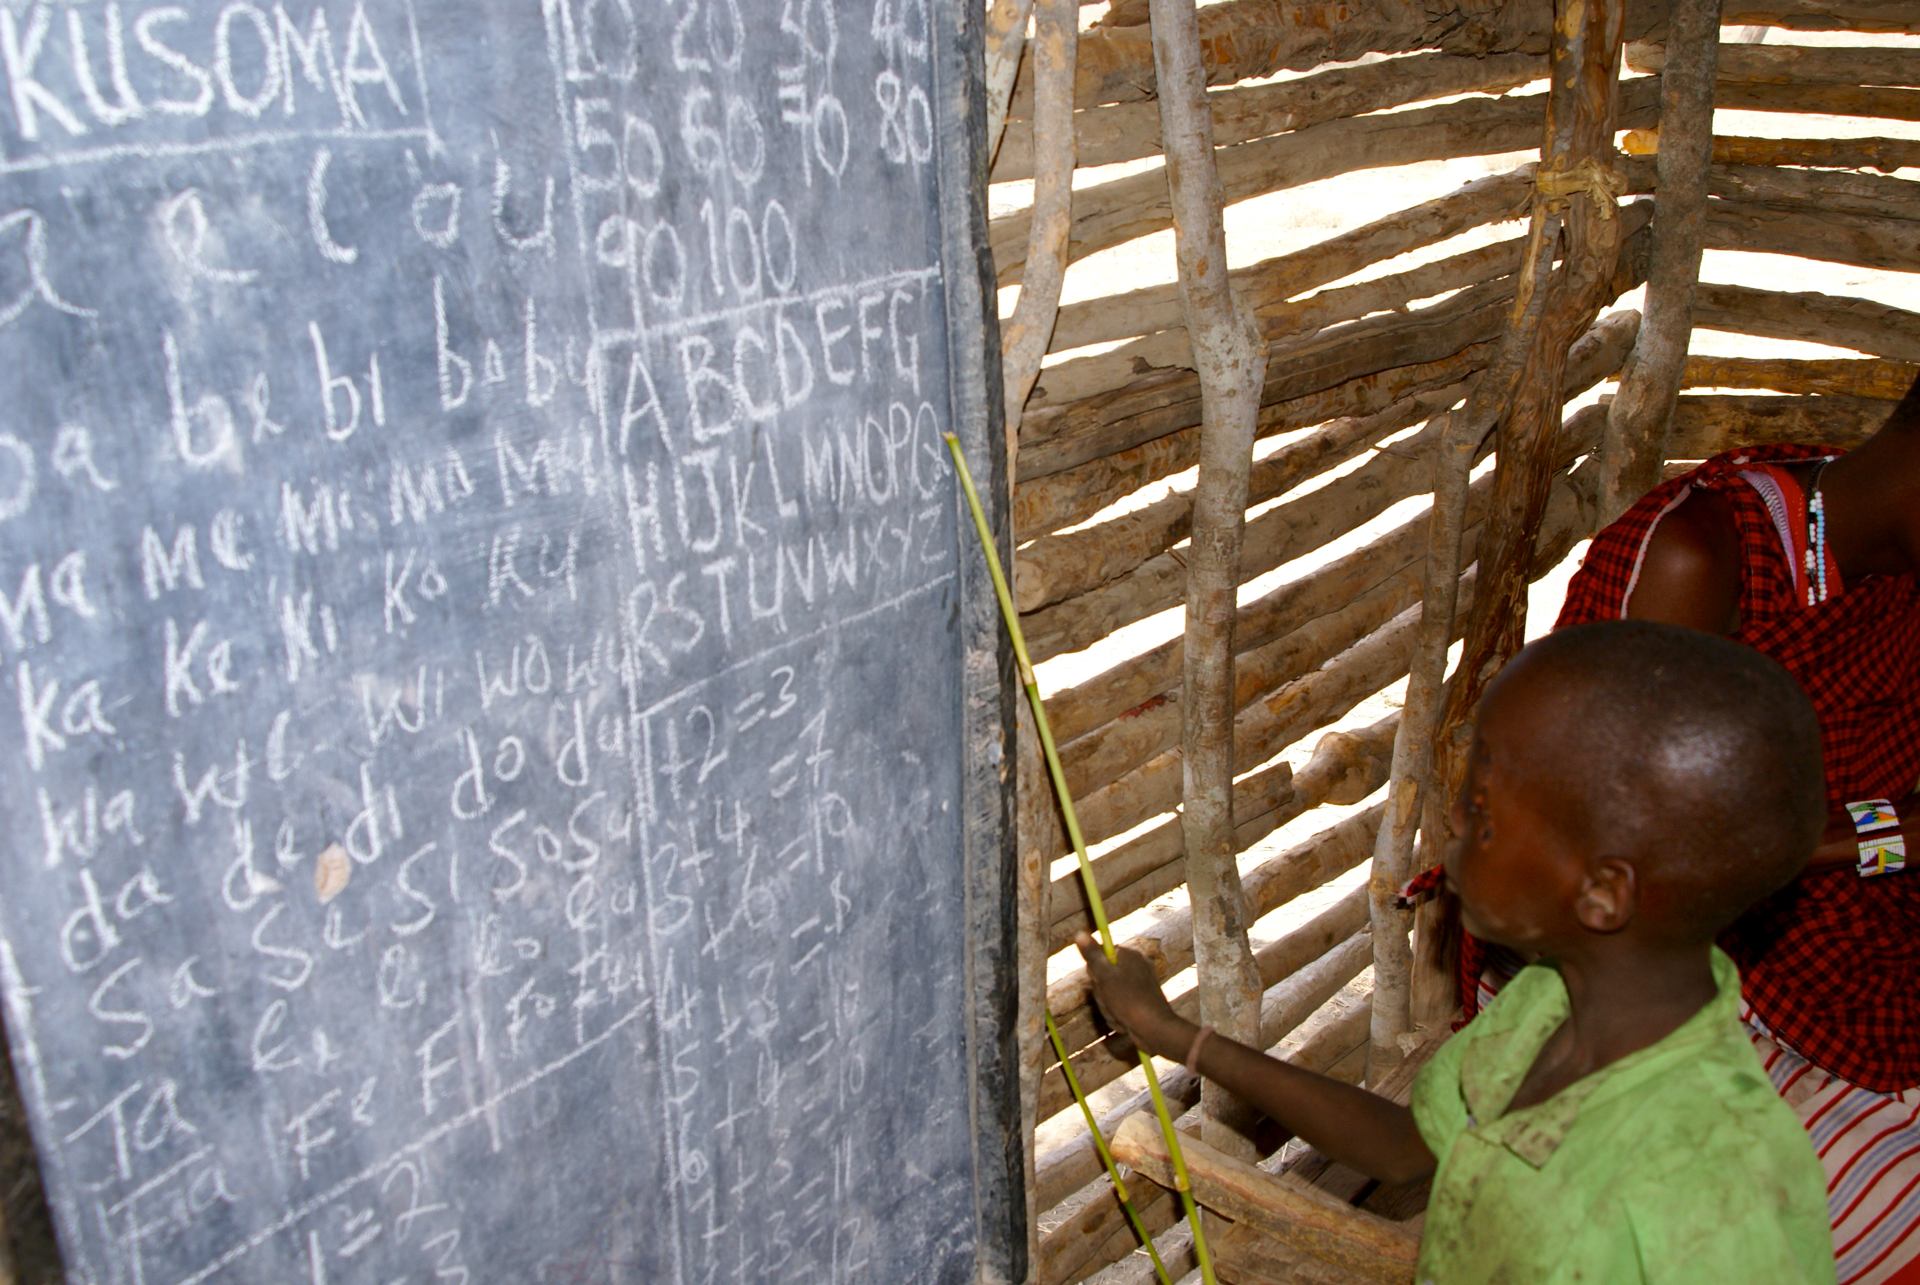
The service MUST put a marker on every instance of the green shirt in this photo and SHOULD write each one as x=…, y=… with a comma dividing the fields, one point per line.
x=1677, y=1163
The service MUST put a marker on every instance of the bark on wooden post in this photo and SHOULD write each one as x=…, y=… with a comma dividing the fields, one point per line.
x=1024, y=342
x=1023, y=345
x=1231, y=360
x=8, y=1273
x=1039, y=838
x=1637, y=423
x=1575, y=196
x=1580, y=128
x=1006, y=36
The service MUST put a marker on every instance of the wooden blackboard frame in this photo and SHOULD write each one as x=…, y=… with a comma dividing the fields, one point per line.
x=988, y=671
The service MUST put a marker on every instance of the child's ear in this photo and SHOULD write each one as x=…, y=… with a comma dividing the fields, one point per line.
x=1607, y=896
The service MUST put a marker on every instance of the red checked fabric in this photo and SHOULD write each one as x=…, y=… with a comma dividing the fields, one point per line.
x=1832, y=963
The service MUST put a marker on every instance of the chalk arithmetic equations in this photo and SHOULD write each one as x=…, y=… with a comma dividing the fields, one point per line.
x=504, y=734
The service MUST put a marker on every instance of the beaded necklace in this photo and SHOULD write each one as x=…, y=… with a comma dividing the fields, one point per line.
x=1816, y=560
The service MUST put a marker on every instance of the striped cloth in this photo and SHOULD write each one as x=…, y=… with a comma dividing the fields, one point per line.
x=1869, y=1146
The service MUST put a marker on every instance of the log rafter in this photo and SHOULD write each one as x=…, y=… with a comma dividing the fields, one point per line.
x=1130, y=131
x=1246, y=39
x=1120, y=210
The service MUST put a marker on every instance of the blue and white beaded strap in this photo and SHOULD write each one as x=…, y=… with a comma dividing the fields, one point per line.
x=1877, y=826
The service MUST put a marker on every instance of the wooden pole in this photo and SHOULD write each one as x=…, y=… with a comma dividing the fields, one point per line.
x=1023, y=344
x=1634, y=447
x=1122, y=209
x=1575, y=196
x=1252, y=39
x=1230, y=358
x=1854, y=153
x=1361, y=1245
x=1039, y=837
x=1864, y=325
x=1131, y=131
x=1777, y=64
x=1006, y=36
x=9, y=1275
x=1493, y=199
x=1825, y=376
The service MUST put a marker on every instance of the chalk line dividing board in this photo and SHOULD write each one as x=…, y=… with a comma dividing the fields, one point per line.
x=504, y=732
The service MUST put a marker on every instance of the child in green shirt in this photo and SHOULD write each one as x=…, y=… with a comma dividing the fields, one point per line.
x=1632, y=789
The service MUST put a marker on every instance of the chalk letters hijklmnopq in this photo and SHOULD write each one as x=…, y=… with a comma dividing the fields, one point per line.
x=500, y=781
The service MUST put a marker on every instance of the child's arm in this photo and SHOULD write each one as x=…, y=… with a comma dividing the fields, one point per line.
x=1350, y=1125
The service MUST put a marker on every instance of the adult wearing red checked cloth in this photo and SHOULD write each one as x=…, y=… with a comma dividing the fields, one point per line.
x=1814, y=559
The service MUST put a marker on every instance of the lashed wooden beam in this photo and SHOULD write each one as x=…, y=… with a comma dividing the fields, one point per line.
x=1704, y=426
x=1072, y=563
x=1325, y=1038
x=1879, y=16
x=1844, y=376
x=1073, y=495
x=1822, y=100
x=1886, y=154
x=1246, y=39
x=1836, y=191
x=1130, y=131
x=1494, y=199
x=1114, y=212
x=1860, y=324
x=1283, y=325
x=1812, y=233
x=1168, y=401
x=1634, y=445
x=1345, y=767
x=1165, y=402
x=1249, y=39
x=1783, y=64
x=1057, y=568
x=1360, y=1245
x=1284, y=532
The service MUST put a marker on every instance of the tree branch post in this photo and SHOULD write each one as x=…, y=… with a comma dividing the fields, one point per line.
x=1023, y=344
x=1576, y=190
x=1641, y=416
x=1230, y=358
x=1006, y=37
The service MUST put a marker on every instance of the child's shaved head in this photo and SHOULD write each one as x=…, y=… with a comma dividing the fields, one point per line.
x=1696, y=758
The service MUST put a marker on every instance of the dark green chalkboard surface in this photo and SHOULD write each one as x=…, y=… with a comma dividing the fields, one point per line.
x=504, y=734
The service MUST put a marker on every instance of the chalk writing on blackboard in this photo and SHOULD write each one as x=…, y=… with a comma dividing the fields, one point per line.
x=478, y=598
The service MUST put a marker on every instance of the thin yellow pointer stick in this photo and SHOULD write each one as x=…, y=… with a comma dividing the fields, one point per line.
x=1059, y=778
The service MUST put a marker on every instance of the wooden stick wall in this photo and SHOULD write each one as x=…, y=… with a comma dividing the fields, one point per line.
x=1365, y=358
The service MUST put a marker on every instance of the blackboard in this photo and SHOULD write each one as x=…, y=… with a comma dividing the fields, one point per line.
x=506, y=732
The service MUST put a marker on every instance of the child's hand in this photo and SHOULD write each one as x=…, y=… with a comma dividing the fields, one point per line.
x=1129, y=997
